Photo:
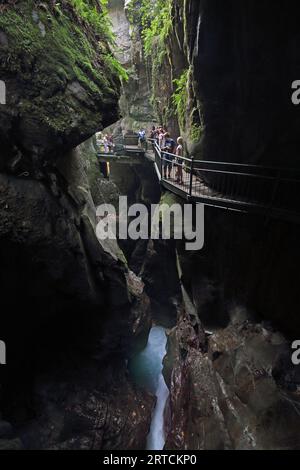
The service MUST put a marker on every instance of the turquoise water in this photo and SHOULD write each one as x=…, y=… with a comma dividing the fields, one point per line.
x=146, y=369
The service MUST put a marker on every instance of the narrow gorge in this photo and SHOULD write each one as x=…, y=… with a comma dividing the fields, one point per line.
x=141, y=344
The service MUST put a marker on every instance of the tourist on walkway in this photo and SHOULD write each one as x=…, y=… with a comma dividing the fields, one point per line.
x=106, y=144
x=179, y=161
x=162, y=138
x=169, y=156
x=154, y=133
x=110, y=142
x=142, y=139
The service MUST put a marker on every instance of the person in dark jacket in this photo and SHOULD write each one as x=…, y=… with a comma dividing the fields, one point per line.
x=168, y=157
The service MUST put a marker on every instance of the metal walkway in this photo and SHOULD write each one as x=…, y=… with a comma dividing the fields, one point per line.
x=124, y=148
x=122, y=152
x=247, y=188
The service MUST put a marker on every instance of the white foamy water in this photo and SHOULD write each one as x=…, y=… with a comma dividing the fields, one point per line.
x=147, y=370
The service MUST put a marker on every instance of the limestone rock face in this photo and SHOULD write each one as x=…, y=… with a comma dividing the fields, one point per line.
x=135, y=102
x=121, y=28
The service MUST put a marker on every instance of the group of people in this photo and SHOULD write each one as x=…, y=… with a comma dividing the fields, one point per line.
x=172, y=152
x=105, y=141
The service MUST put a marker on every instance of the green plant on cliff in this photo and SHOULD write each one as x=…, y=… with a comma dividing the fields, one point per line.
x=95, y=13
x=196, y=132
x=154, y=19
x=180, y=97
x=115, y=66
x=151, y=22
x=156, y=27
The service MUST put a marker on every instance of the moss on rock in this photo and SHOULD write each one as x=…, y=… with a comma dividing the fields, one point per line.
x=60, y=83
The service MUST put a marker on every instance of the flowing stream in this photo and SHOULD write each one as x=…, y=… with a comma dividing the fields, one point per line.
x=146, y=369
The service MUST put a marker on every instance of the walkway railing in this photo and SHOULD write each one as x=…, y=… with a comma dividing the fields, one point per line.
x=235, y=186
x=127, y=146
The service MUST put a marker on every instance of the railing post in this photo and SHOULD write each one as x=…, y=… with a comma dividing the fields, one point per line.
x=191, y=177
x=161, y=164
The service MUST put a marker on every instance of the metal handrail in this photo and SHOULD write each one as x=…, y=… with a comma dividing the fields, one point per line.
x=240, y=165
x=232, y=187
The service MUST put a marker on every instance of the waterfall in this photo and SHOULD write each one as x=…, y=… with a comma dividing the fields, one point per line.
x=146, y=369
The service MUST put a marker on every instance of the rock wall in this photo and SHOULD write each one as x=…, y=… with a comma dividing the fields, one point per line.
x=60, y=88
x=135, y=102
x=70, y=307
x=68, y=313
x=235, y=389
x=231, y=89
x=230, y=389
x=242, y=62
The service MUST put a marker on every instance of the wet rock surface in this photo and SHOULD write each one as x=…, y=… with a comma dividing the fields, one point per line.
x=236, y=389
x=89, y=408
x=141, y=311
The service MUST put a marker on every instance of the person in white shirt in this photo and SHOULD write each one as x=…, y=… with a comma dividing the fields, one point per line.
x=179, y=161
x=161, y=138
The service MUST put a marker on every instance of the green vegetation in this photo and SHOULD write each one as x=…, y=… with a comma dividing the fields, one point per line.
x=180, y=96
x=64, y=45
x=155, y=20
x=114, y=65
x=157, y=23
x=152, y=22
x=180, y=103
x=67, y=52
x=95, y=13
x=196, y=132
x=66, y=40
